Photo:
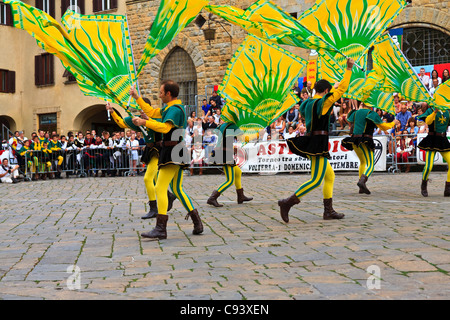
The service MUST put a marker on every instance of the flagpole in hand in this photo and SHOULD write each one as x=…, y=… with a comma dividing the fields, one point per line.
x=132, y=95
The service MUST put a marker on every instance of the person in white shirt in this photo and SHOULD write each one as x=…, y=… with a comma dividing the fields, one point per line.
x=133, y=146
x=431, y=82
x=198, y=154
x=8, y=174
x=291, y=133
x=424, y=78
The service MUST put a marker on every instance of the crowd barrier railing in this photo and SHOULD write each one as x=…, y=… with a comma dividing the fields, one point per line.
x=403, y=148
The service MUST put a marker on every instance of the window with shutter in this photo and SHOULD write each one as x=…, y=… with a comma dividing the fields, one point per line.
x=6, y=18
x=74, y=5
x=103, y=5
x=7, y=81
x=44, y=69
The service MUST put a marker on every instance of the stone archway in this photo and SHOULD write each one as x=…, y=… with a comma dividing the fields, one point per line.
x=94, y=117
x=7, y=123
x=423, y=17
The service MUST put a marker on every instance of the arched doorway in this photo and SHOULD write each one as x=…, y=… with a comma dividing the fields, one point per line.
x=95, y=118
x=7, y=125
x=179, y=67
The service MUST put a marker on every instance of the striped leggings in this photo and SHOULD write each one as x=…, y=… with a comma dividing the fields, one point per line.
x=367, y=163
x=171, y=175
x=429, y=162
x=233, y=175
x=321, y=171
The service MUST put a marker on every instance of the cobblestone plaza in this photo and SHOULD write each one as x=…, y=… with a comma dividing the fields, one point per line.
x=393, y=244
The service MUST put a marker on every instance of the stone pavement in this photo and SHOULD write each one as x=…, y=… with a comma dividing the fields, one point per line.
x=246, y=251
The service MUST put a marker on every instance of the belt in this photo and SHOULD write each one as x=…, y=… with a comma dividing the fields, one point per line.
x=317, y=133
x=444, y=134
x=167, y=143
x=362, y=135
x=150, y=145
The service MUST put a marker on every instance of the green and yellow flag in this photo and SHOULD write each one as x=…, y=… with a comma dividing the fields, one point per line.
x=257, y=85
x=266, y=20
x=172, y=17
x=393, y=73
x=441, y=97
x=95, y=49
x=381, y=100
x=351, y=26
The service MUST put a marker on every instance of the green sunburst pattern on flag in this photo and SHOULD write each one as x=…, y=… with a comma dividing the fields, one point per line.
x=441, y=97
x=351, y=26
x=172, y=17
x=268, y=21
x=257, y=84
x=95, y=49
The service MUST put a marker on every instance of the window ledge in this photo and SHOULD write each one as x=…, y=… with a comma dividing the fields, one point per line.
x=109, y=11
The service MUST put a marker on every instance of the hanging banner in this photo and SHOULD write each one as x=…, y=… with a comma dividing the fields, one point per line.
x=438, y=160
x=275, y=156
x=311, y=73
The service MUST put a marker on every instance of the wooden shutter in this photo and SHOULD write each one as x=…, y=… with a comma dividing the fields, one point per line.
x=51, y=69
x=9, y=16
x=97, y=5
x=114, y=4
x=38, y=70
x=11, y=82
x=39, y=4
x=64, y=6
x=52, y=8
x=81, y=5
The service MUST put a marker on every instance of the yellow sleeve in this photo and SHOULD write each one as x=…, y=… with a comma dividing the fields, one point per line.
x=118, y=120
x=337, y=94
x=159, y=126
x=430, y=119
x=386, y=126
x=148, y=109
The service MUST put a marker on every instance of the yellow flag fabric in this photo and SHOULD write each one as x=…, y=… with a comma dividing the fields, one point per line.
x=172, y=17
x=95, y=49
x=441, y=97
x=352, y=26
x=257, y=84
x=266, y=20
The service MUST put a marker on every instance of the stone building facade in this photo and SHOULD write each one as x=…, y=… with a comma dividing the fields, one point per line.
x=196, y=63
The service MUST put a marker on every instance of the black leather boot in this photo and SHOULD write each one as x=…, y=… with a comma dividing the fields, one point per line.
x=329, y=213
x=171, y=197
x=198, y=225
x=153, y=212
x=286, y=205
x=160, y=230
x=212, y=200
x=241, y=198
x=423, y=188
x=447, y=189
x=362, y=185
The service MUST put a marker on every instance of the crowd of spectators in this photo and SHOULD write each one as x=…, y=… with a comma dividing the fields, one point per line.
x=119, y=153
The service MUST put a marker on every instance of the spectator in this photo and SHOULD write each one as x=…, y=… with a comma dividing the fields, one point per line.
x=424, y=78
x=8, y=174
x=388, y=116
x=403, y=116
x=434, y=84
x=397, y=104
x=279, y=126
x=216, y=98
x=209, y=124
x=209, y=142
x=343, y=112
x=434, y=76
x=217, y=116
x=404, y=149
x=133, y=146
x=192, y=116
x=304, y=95
x=292, y=117
x=445, y=75
x=213, y=108
x=198, y=154
x=311, y=92
x=205, y=106
x=291, y=133
x=412, y=129
x=190, y=128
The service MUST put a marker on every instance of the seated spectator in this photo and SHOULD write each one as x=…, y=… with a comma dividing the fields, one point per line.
x=397, y=103
x=343, y=112
x=209, y=123
x=209, y=142
x=198, y=154
x=217, y=116
x=445, y=75
x=434, y=84
x=280, y=126
x=412, y=130
x=213, y=108
x=403, y=116
x=292, y=117
x=8, y=174
x=192, y=116
x=291, y=133
x=217, y=99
